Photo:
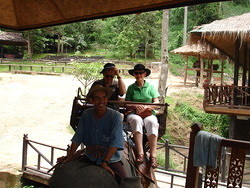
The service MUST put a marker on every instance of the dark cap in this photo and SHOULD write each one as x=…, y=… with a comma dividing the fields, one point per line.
x=107, y=66
x=139, y=67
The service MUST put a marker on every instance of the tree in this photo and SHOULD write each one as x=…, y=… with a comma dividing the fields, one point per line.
x=139, y=30
x=164, y=54
x=205, y=13
x=87, y=73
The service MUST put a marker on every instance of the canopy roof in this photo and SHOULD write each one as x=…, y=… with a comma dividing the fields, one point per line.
x=223, y=34
x=11, y=38
x=30, y=14
x=199, y=50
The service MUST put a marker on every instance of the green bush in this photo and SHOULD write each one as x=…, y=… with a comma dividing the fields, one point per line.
x=211, y=122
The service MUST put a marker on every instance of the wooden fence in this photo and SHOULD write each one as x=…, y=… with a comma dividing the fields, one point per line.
x=227, y=96
x=14, y=67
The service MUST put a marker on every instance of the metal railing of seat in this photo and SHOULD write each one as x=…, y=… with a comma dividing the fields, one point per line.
x=227, y=96
x=39, y=168
x=171, y=148
x=182, y=151
x=167, y=169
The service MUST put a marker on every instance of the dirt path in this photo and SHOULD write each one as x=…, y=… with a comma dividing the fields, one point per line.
x=39, y=106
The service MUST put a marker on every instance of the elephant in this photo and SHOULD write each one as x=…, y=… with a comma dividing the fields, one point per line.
x=80, y=174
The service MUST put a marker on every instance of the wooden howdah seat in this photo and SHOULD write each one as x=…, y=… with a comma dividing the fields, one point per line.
x=234, y=179
x=80, y=104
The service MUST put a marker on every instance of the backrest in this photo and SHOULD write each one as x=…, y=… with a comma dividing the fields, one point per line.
x=80, y=104
x=236, y=164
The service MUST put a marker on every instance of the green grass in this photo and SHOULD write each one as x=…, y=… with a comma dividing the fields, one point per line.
x=47, y=67
x=160, y=155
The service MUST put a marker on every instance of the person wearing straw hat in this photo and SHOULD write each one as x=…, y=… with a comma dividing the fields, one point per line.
x=100, y=130
x=109, y=71
x=143, y=116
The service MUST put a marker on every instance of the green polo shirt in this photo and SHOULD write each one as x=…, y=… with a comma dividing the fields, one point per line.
x=141, y=94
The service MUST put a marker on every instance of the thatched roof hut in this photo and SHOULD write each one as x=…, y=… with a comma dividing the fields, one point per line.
x=223, y=34
x=232, y=37
x=11, y=38
x=199, y=50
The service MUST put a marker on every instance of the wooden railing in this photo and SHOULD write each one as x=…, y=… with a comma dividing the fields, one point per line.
x=42, y=68
x=236, y=165
x=42, y=158
x=227, y=96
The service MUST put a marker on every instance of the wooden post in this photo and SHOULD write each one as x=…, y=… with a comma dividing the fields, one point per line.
x=192, y=171
x=248, y=62
x=211, y=71
x=222, y=72
x=236, y=67
x=223, y=165
x=167, y=156
x=185, y=74
x=201, y=72
x=244, y=73
x=25, y=150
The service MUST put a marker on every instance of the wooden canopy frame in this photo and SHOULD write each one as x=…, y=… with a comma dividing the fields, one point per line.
x=32, y=14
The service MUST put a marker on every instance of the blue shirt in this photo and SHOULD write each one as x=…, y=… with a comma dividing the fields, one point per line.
x=104, y=132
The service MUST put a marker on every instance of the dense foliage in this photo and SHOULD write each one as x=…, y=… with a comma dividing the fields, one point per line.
x=130, y=36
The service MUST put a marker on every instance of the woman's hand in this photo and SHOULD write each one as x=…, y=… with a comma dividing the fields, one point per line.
x=143, y=111
x=139, y=109
x=106, y=167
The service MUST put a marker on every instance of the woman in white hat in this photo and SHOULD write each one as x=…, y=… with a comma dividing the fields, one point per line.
x=142, y=91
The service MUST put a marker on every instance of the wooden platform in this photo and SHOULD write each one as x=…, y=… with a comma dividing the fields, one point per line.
x=225, y=110
x=37, y=177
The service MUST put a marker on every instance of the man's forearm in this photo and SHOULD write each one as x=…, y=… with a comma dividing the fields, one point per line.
x=122, y=87
x=110, y=153
x=72, y=150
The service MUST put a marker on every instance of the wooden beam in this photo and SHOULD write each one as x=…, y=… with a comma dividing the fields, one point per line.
x=244, y=73
x=185, y=74
x=192, y=171
x=37, y=177
x=201, y=73
x=236, y=67
x=222, y=72
x=248, y=67
x=226, y=110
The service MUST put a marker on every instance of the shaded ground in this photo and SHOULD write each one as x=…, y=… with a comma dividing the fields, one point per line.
x=40, y=106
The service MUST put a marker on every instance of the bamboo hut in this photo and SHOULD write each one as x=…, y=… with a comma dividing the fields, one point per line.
x=232, y=37
x=13, y=39
x=202, y=51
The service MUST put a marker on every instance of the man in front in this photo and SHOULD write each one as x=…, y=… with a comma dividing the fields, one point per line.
x=100, y=130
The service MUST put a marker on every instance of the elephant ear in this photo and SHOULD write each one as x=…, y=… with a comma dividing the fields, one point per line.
x=80, y=174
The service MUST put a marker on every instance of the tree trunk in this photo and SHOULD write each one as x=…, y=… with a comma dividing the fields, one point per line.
x=62, y=47
x=185, y=26
x=164, y=54
x=58, y=44
x=29, y=45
